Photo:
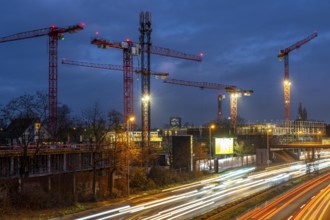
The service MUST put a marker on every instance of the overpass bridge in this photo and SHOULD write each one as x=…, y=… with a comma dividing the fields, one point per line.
x=309, y=148
x=301, y=145
x=301, y=138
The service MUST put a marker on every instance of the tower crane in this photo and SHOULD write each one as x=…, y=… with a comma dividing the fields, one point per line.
x=54, y=33
x=130, y=111
x=131, y=48
x=285, y=54
x=231, y=89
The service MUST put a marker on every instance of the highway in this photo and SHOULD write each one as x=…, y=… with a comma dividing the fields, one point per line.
x=289, y=203
x=317, y=207
x=191, y=200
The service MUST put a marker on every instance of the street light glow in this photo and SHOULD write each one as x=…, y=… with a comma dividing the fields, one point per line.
x=146, y=98
x=287, y=82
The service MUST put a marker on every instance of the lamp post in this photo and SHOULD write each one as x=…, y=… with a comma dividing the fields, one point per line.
x=269, y=130
x=299, y=134
x=210, y=142
x=319, y=133
x=129, y=124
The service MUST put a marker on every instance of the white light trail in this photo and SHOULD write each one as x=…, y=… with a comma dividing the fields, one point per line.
x=103, y=213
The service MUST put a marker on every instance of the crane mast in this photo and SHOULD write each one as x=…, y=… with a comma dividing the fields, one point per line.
x=284, y=54
x=128, y=81
x=145, y=42
x=54, y=33
x=145, y=48
x=231, y=89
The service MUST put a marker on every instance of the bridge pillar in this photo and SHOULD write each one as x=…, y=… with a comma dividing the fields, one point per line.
x=308, y=154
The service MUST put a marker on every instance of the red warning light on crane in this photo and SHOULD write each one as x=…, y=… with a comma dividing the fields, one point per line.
x=82, y=24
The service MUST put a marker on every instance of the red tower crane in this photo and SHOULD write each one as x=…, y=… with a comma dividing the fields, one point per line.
x=233, y=90
x=130, y=48
x=127, y=111
x=285, y=54
x=128, y=52
x=55, y=34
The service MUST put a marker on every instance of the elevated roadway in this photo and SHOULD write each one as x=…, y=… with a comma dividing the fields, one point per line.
x=301, y=145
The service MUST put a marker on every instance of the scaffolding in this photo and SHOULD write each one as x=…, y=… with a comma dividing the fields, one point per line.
x=297, y=131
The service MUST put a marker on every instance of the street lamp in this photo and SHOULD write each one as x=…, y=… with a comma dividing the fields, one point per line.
x=299, y=134
x=319, y=133
x=269, y=130
x=129, y=124
x=210, y=142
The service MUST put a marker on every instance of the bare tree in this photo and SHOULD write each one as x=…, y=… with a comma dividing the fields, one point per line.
x=25, y=119
x=121, y=150
x=97, y=128
x=64, y=123
x=110, y=144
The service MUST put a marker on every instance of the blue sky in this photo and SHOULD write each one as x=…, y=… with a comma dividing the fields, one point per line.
x=240, y=39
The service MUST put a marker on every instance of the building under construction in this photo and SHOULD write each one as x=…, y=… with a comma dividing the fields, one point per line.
x=303, y=131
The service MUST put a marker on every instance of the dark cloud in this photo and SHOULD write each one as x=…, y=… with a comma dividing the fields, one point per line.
x=240, y=40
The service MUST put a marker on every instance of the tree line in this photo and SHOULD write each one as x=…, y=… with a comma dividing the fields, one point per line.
x=104, y=133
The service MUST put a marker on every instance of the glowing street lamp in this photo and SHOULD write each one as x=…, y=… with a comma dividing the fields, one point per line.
x=299, y=134
x=130, y=120
x=319, y=133
x=269, y=131
x=210, y=141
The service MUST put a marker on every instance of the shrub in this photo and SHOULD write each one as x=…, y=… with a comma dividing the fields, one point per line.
x=138, y=179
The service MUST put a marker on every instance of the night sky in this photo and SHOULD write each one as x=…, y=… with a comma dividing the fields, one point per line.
x=240, y=40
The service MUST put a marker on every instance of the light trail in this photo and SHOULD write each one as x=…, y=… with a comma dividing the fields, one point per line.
x=103, y=213
x=215, y=179
x=315, y=209
x=213, y=192
x=285, y=200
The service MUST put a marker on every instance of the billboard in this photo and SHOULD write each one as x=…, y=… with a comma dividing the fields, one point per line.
x=224, y=146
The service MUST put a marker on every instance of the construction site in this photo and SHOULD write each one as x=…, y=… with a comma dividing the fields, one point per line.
x=33, y=151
